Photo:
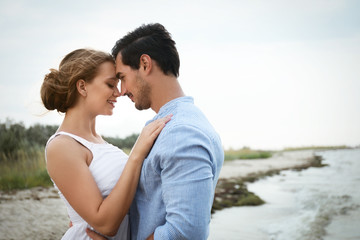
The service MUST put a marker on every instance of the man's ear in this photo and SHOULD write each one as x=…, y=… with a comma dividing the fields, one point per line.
x=81, y=87
x=145, y=63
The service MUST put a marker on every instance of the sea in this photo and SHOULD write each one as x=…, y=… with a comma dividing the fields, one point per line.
x=311, y=204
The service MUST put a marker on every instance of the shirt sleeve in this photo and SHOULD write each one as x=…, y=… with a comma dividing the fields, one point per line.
x=187, y=184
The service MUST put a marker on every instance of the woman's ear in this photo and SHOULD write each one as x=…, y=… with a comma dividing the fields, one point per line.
x=145, y=63
x=81, y=87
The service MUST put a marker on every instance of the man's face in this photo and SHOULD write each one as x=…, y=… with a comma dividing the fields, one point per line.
x=133, y=85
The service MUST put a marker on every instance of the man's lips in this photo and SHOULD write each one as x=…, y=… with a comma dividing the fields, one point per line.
x=129, y=95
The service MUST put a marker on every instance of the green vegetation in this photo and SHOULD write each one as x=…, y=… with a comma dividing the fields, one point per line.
x=22, y=156
x=246, y=153
x=316, y=148
x=25, y=169
x=233, y=192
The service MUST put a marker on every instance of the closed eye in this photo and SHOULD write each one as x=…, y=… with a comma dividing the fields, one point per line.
x=119, y=76
x=110, y=85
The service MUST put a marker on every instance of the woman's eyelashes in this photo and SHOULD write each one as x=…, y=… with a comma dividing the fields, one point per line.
x=110, y=85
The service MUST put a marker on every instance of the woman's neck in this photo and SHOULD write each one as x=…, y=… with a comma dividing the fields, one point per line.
x=81, y=124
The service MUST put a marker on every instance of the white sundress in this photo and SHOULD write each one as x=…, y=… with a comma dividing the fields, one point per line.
x=106, y=167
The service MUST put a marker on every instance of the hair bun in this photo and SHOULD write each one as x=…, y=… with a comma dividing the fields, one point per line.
x=53, y=92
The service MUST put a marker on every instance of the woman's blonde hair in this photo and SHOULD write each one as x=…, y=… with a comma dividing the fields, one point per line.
x=58, y=91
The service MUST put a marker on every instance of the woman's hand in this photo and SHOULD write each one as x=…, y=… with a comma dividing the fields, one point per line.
x=147, y=137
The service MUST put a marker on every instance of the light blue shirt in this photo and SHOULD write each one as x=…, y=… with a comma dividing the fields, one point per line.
x=178, y=178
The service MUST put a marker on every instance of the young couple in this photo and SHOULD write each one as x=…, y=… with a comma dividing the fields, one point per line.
x=164, y=189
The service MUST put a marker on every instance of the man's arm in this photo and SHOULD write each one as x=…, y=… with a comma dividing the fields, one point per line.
x=187, y=185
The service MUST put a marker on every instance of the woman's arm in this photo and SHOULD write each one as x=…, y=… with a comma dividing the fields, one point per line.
x=67, y=166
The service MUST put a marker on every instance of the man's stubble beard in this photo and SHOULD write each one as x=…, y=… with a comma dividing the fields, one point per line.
x=143, y=94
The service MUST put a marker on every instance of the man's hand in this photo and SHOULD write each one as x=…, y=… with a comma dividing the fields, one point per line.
x=93, y=235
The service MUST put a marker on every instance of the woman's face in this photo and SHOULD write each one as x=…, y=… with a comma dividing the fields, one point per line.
x=103, y=90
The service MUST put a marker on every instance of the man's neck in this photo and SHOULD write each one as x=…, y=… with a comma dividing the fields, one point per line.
x=164, y=91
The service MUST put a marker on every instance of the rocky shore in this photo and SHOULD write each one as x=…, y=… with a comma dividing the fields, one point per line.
x=231, y=189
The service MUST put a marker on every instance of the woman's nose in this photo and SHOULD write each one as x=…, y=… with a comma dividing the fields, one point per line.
x=117, y=92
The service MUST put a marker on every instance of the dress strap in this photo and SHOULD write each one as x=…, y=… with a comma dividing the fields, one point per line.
x=81, y=140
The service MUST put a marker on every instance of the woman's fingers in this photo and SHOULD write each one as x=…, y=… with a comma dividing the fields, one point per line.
x=148, y=135
x=162, y=121
x=158, y=129
x=158, y=125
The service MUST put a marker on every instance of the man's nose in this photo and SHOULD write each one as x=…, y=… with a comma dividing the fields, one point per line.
x=123, y=89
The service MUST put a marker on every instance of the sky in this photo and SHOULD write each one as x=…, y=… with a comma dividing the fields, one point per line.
x=267, y=74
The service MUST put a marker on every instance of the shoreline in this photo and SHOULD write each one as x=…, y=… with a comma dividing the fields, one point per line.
x=231, y=189
x=278, y=162
x=39, y=213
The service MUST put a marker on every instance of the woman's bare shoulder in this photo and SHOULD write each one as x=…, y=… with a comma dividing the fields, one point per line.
x=61, y=142
x=64, y=146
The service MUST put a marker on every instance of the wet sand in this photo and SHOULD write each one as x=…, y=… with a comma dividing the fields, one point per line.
x=39, y=213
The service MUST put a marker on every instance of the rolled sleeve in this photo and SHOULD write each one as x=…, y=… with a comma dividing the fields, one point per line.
x=187, y=184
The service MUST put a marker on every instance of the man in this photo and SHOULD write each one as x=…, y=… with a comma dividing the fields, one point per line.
x=178, y=178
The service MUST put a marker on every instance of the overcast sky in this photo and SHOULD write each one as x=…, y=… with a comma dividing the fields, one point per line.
x=268, y=74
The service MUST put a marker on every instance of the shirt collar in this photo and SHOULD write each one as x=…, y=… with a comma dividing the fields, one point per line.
x=167, y=108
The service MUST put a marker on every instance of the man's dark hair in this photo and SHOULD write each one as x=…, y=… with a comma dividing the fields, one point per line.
x=153, y=40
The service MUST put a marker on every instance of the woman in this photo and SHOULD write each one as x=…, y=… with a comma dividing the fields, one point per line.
x=96, y=180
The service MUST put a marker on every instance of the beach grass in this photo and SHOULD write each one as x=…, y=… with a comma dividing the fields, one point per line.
x=316, y=148
x=246, y=153
x=24, y=168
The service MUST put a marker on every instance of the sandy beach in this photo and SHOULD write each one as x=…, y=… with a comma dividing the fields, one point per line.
x=279, y=161
x=38, y=213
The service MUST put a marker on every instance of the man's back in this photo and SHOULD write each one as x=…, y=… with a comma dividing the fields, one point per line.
x=178, y=177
